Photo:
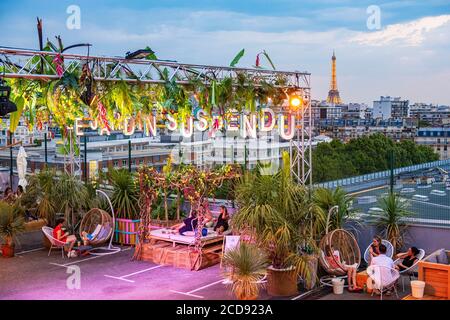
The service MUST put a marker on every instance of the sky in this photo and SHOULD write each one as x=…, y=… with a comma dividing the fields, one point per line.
x=406, y=55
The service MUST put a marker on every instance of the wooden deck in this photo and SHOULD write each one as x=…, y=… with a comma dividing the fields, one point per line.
x=425, y=297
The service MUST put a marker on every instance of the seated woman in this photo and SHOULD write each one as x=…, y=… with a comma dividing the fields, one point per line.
x=222, y=221
x=9, y=195
x=333, y=259
x=189, y=224
x=409, y=258
x=374, y=250
x=208, y=219
x=60, y=234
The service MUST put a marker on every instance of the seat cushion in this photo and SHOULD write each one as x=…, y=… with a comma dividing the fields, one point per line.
x=442, y=257
x=432, y=258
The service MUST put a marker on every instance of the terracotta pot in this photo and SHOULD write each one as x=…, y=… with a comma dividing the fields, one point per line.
x=281, y=282
x=243, y=297
x=8, y=250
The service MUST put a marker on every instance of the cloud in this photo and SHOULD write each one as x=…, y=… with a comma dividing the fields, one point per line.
x=369, y=63
x=408, y=34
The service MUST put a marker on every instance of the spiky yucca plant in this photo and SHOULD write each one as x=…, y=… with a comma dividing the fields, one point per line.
x=247, y=264
x=391, y=220
x=125, y=194
x=11, y=223
x=41, y=194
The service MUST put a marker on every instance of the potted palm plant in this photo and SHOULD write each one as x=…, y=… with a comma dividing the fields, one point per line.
x=125, y=198
x=325, y=199
x=390, y=221
x=41, y=196
x=247, y=265
x=273, y=207
x=11, y=224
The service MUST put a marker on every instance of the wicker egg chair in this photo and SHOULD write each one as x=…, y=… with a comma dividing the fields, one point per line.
x=342, y=243
x=90, y=222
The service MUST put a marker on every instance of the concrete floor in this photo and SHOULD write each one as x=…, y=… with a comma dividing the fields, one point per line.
x=35, y=276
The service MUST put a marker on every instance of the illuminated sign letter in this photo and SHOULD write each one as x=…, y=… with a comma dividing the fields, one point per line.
x=248, y=126
x=172, y=125
x=202, y=123
x=270, y=123
x=233, y=121
x=79, y=125
x=150, y=125
x=291, y=125
x=93, y=124
x=128, y=126
x=187, y=133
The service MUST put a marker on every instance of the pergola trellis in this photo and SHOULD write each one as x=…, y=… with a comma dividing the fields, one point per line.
x=26, y=64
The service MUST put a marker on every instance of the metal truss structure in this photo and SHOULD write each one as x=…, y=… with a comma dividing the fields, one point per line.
x=27, y=64
x=301, y=147
x=72, y=158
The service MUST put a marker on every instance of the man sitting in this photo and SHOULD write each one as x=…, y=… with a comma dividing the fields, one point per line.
x=386, y=265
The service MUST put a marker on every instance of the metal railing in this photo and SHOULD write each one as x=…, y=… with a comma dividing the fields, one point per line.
x=381, y=174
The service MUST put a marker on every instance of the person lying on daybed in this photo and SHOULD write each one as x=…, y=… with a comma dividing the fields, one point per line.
x=409, y=258
x=333, y=259
x=189, y=224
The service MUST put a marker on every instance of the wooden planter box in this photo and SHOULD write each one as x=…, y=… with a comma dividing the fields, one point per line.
x=436, y=277
x=35, y=225
x=126, y=231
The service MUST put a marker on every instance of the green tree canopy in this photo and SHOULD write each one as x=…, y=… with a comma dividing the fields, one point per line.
x=336, y=160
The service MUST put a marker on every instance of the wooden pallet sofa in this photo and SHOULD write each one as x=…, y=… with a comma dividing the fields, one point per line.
x=177, y=250
x=434, y=270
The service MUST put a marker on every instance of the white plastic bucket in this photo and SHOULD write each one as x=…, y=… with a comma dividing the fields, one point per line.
x=338, y=286
x=417, y=288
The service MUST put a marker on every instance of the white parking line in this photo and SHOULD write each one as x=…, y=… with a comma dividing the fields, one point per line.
x=204, y=287
x=132, y=274
x=188, y=294
x=27, y=251
x=119, y=278
x=301, y=295
x=87, y=259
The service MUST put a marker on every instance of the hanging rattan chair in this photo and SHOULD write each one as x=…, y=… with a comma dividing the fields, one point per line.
x=99, y=224
x=340, y=243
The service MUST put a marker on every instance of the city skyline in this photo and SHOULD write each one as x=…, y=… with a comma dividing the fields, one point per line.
x=408, y=57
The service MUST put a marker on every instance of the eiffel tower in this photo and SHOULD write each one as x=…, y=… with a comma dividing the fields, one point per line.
x=333, y=94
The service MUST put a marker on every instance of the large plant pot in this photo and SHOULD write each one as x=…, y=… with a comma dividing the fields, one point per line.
x=240, y=295
x=8, y=250
x=281, y=282
x=244, y=297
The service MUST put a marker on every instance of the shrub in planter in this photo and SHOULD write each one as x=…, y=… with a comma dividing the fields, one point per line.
x=246, y=264
x=275, y=207
x=11, y=224
x=41, y=196
x=125, y=198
